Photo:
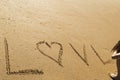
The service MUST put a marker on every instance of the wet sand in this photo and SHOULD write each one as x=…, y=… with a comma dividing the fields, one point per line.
x=86, y=30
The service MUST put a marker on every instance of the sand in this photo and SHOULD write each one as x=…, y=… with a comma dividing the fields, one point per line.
x=64, y=39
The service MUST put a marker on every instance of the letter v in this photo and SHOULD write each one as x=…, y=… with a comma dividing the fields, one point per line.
x=84, y=51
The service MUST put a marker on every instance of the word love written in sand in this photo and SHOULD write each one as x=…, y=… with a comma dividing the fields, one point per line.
x=58, y=60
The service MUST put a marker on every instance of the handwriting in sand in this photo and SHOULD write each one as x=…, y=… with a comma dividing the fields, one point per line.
x=58, y=60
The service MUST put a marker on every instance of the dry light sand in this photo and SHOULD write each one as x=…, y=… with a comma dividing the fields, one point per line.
x=88, y=26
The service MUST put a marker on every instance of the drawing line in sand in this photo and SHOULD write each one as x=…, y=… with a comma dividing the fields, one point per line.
x=19, y=72
x=59, y=60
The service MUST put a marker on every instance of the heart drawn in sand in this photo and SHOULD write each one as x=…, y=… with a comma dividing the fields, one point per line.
x=60, y=53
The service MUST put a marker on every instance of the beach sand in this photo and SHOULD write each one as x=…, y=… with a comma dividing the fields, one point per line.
x=83, y=31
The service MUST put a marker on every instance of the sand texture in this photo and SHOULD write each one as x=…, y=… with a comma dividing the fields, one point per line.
x=58, y=39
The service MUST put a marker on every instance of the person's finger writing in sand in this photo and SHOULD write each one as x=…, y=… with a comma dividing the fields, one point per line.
x=116, y=55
